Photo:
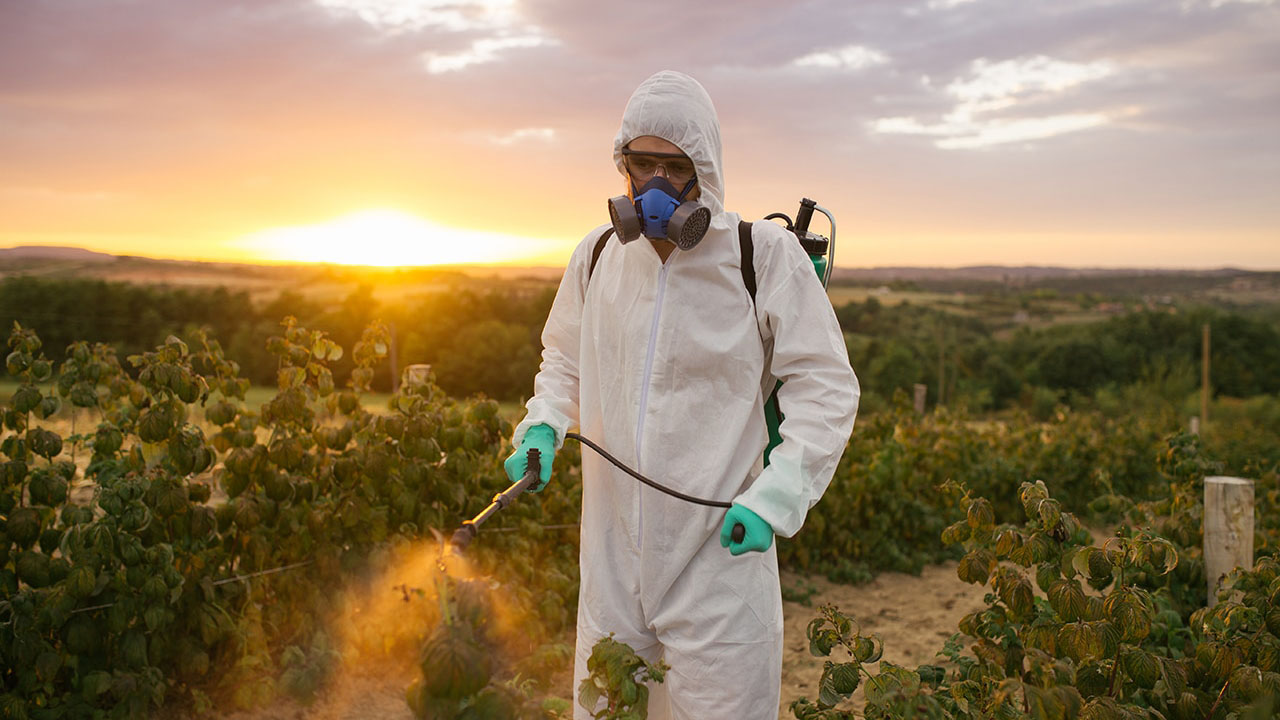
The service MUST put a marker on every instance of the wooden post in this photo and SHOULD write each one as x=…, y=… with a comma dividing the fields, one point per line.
x=1204, y=377
x=922, y=391
x=1228, y=529
x=942, y=372
x=395, y=371
x=1195, y=425
x=416, y=375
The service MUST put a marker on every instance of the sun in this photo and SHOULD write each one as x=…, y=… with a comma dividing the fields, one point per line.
x=391, y=238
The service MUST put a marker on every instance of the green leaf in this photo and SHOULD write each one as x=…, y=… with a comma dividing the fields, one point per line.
x=976, y=566
x=291, y=377
x=828, y=695
x=868, y=650
x=931, y=675
x=96, y=683
x=1067, y=600
x=1007, y=542
x=154, y=617
x=980, y=515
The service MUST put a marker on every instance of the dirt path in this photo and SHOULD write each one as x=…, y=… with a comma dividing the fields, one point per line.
x=914, y=616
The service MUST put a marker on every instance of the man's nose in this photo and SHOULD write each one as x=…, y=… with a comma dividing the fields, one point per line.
x=661, y=169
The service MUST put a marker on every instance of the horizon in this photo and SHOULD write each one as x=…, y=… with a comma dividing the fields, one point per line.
x=510, y=265
x=940, y=133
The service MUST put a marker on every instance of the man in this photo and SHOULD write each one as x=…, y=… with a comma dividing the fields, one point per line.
x=661, y=355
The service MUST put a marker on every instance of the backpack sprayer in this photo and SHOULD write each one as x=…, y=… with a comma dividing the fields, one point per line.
x=817, y=248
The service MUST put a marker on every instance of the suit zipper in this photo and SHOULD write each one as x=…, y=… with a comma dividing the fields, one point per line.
x=644, y=392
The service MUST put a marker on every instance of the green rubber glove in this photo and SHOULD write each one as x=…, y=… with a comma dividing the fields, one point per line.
x=543, y=439
x=759, y=534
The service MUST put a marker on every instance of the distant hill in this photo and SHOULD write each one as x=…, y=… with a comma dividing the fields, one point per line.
x=1014, y=274
x=336, y=281
x=47, y=252
x=1240, y=285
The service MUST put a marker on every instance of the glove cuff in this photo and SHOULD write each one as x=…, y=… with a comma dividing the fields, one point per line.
x=540, y=432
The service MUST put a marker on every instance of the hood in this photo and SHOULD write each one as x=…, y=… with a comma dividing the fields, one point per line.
x=676, y=108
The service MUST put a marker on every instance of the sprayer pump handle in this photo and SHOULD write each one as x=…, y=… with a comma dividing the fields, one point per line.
x=535, y=460
x=739, y=532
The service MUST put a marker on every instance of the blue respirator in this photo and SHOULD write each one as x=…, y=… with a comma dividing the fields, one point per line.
x=660, y=213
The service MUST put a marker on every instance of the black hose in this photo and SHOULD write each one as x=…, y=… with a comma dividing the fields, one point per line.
x=739, y=530
x=651, y=483
x=781, y=216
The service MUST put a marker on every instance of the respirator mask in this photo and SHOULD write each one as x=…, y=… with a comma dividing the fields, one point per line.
x=659, y=211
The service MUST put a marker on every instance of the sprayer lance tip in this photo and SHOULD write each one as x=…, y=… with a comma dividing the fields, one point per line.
x=462, y=537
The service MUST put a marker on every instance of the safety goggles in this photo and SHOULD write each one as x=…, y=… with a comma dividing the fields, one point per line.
x=642, y=166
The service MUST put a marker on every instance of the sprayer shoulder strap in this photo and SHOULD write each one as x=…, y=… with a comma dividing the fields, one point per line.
x=595, y=251
x=748, y=259
x=744, y=242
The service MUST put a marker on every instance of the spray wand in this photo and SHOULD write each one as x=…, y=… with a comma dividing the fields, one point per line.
x=463, y=536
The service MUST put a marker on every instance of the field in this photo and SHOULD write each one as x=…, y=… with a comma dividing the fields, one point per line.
x=273, y=549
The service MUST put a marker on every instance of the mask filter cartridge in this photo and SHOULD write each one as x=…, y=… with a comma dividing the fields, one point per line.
x=659, y=214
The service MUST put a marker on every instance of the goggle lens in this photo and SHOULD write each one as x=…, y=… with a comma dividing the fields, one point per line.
x=643, y=166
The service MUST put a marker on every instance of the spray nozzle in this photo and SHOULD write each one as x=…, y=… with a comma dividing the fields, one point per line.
x=462, y=537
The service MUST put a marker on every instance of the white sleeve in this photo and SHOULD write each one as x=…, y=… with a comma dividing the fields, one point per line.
x=555, y=387
x=819, y=395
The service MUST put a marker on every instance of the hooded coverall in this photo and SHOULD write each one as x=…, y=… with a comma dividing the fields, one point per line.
x=666, y=365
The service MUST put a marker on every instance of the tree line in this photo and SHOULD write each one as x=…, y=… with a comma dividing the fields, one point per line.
x=487, y=341
x=964, y=360
x=477, y=341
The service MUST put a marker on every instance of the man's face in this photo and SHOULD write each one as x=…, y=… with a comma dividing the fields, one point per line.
x=648, y=156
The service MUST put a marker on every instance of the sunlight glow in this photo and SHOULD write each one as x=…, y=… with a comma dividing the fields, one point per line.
x=389, y=238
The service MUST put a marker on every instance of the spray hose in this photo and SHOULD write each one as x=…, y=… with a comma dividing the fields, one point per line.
x=651, y=483
x=739, y=530
x=463, y=536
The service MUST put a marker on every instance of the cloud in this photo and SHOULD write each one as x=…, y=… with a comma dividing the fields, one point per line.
x=524, y=135
x=484, y=50
x=961, y=134
x=994, y=87
x=1221, y=3
x=401, y=16
x=850, y=57
x=1002, y=84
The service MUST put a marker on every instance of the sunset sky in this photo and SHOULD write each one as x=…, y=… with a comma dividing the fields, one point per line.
x=1111, y=133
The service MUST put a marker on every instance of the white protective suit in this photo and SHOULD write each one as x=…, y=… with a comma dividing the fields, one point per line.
x=665, y=365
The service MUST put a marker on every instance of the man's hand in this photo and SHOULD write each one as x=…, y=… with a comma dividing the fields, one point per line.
x=759, y=535
x=541, y=438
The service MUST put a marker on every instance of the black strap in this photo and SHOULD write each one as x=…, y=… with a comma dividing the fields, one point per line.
x=748, y=258
x=744, y=243
x=599, y=248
